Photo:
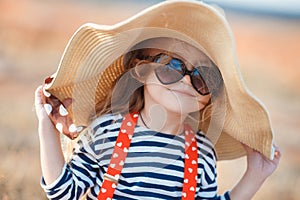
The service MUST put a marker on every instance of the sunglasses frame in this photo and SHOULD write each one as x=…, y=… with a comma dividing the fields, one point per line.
x=184, y=70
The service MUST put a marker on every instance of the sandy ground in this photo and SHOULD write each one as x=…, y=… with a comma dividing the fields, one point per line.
x=33, y=35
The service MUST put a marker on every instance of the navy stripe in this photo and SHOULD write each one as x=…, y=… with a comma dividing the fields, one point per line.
x=208, y=179
x=168, y=177
x=203, y=142
x=99, y=142
x=211, y=189
x=84, y=179
x=64, y=193
x=93, y=193
x=119, y=120
x=103, y=124
x=153, y=155
x=227, y=195
x=158, y=134
x=141, y=194
x=158, y=152
x=83, y=157
x=123, y=198
x=206, y=153
x=154, y=164
x=156, y=144
x=64, y=178
x=152, y=185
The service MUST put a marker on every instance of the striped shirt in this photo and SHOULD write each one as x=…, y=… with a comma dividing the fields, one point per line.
x=153, y=169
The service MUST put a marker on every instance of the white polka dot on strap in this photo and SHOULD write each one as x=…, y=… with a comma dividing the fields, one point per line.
x=72, y=128
x=63, y=111
x=123, y=131
x=119, y=144
x=112, y=165
x=121, y=163
x=48, y=108
x=59, y=127
x=79, y=129
x=47, y=94
x=115, y=155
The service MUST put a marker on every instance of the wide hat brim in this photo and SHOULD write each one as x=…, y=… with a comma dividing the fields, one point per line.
x=93, y=59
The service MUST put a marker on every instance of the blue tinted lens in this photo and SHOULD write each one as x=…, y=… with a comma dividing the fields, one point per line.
x=176, y=64
x=198, y=82
x=174, y=69
x=171, y=70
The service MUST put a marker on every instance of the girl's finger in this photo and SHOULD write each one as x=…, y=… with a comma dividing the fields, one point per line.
x=38, y=98
x=277, y=152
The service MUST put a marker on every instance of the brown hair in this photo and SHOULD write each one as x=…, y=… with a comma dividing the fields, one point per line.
x=127, y=92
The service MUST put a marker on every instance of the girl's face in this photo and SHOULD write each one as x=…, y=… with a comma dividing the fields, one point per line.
x=178, y=97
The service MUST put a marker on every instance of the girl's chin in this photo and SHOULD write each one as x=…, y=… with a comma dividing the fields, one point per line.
x=180, y=108
x=187, y=102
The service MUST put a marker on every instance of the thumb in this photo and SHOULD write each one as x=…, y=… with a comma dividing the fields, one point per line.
x=38, y=104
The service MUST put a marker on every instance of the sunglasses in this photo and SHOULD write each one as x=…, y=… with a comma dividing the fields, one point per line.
x=173, y=69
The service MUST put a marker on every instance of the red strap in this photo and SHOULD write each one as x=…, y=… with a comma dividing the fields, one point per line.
x=59, y=112
x=118, y=157
x=190, y=164
x=120, y=152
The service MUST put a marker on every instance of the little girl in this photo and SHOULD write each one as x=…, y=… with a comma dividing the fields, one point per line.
x=144, y=141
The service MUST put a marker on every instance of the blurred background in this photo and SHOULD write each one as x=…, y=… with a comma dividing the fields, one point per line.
x=33, y=35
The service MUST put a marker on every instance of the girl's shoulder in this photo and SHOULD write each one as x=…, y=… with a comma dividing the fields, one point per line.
x=202, y=138
x=205, y=146
x=106, y=121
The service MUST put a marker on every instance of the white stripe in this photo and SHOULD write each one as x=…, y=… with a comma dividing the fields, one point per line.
x=137, y=155
x=152, y=170
x=155, y=182
x=164, y=149
x=153, y=159
x=122, y=194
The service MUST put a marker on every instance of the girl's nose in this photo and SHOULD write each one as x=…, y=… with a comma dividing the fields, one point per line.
x=187, y=79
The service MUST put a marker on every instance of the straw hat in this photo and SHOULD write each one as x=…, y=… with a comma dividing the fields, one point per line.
x=93, y=59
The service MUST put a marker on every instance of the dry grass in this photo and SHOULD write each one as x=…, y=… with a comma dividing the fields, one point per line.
x=33, y=35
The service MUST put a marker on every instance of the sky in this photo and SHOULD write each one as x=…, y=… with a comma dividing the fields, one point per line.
x=288, y=7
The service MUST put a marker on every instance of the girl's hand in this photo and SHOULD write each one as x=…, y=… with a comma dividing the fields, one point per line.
x=258, y=169
x=53, y=114
x=39, y=107
x=259, y=165
x=52, y=159
x=45, y=124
